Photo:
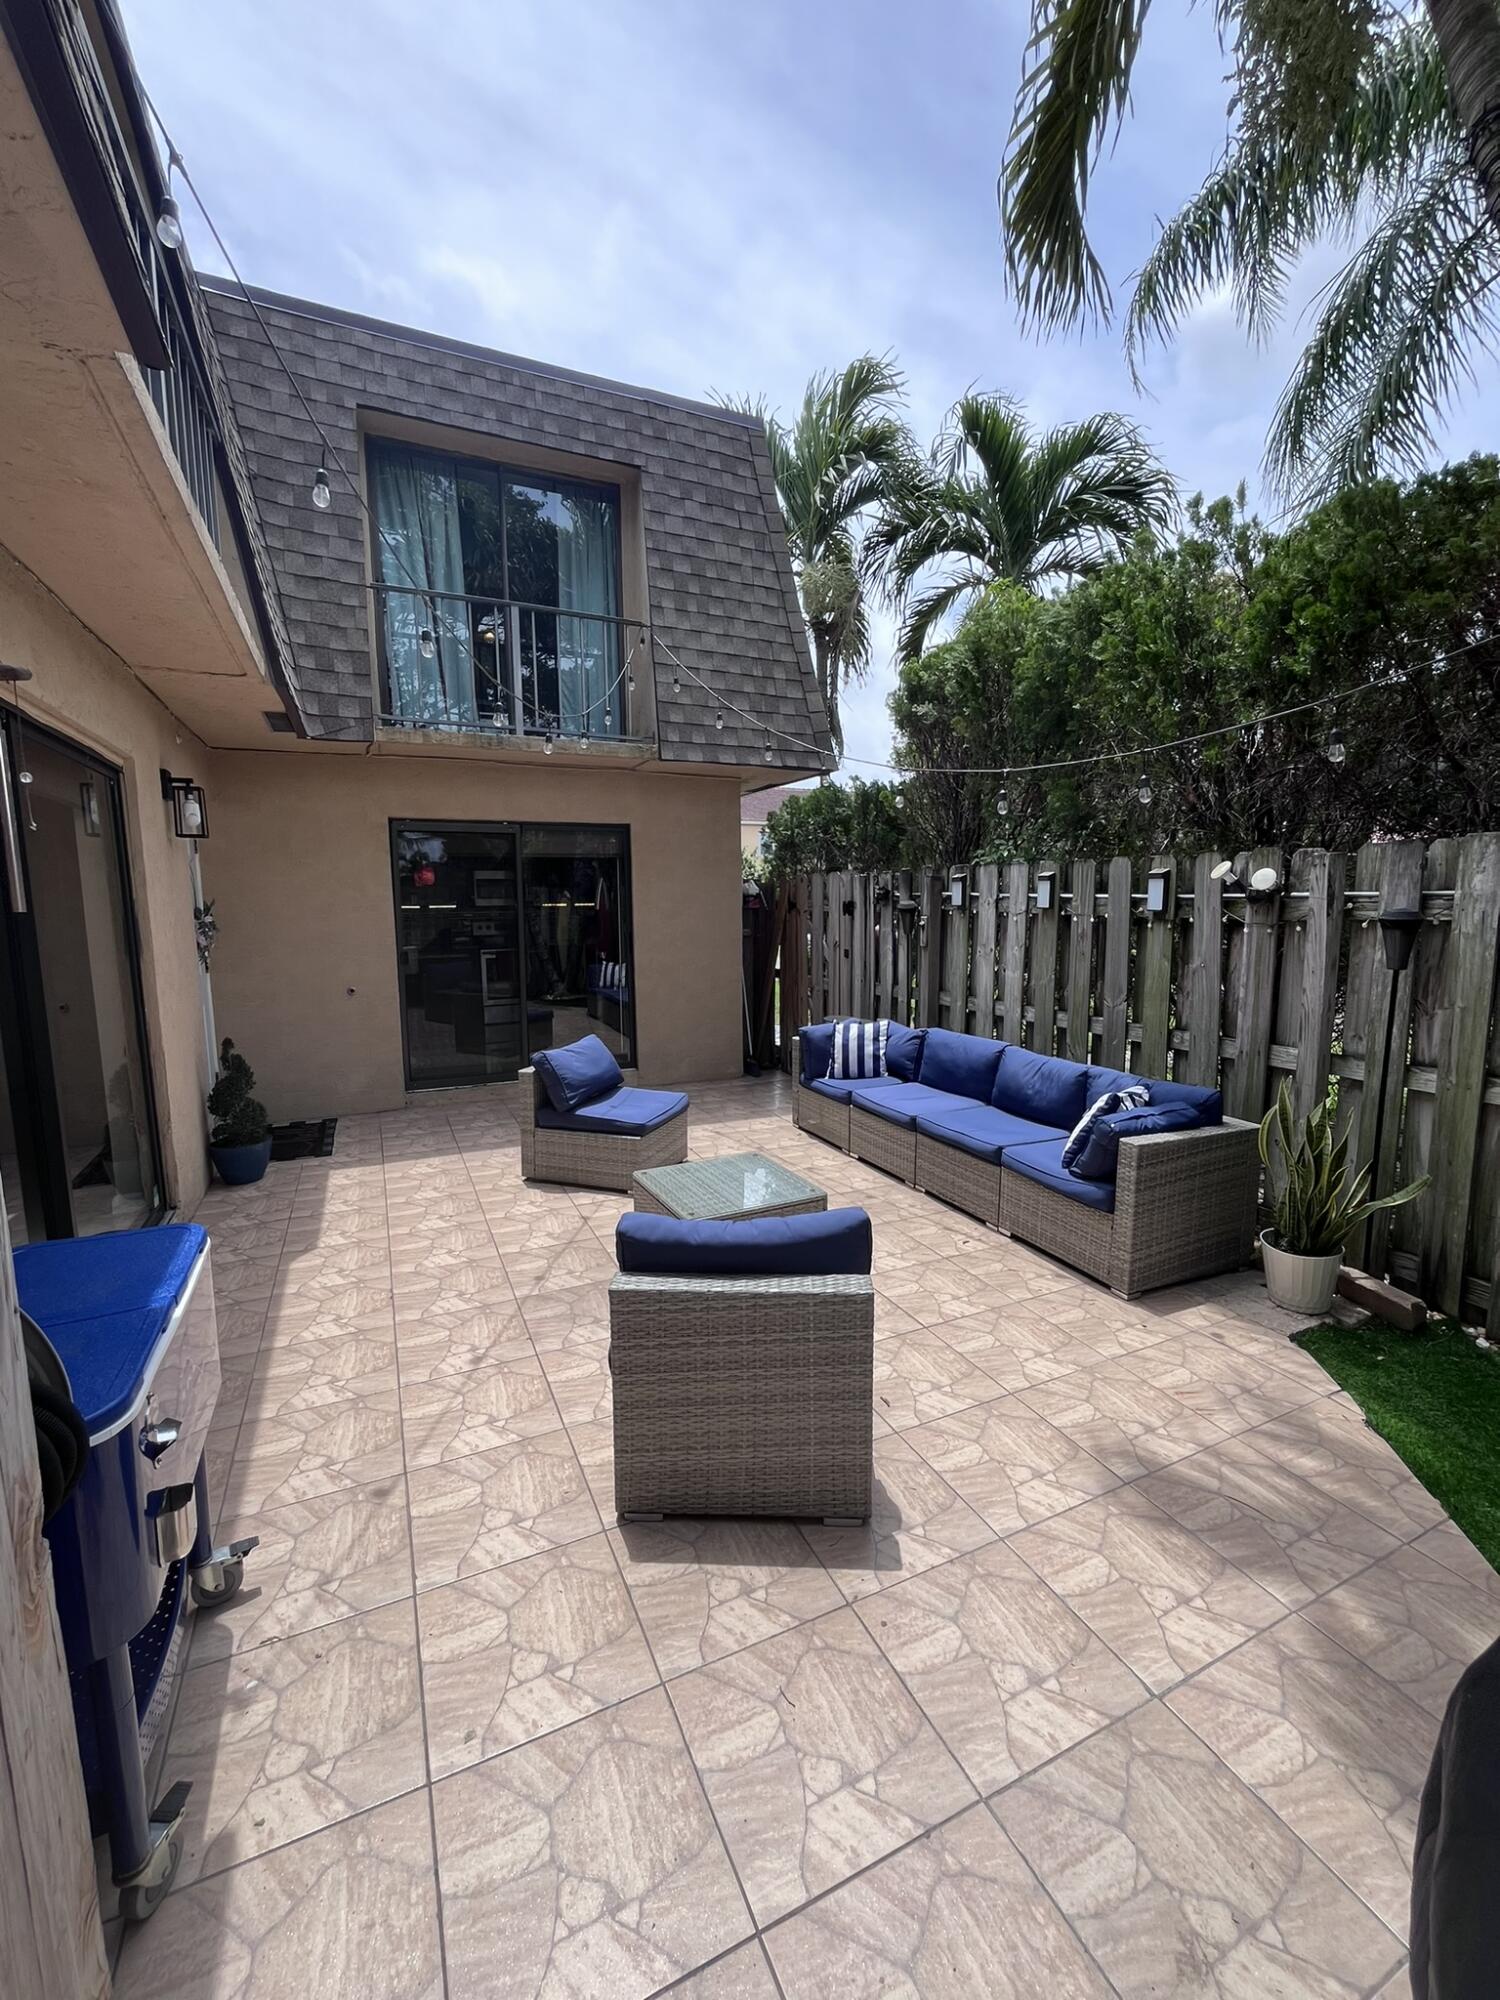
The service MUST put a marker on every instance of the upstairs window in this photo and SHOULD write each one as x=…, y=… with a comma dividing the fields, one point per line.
x=499, y=596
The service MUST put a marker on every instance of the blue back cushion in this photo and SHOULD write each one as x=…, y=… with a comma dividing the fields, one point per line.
x=1101, y=1081
x=1045, y=1089
x=964, y=1065
x=903, y=1052
x=815, y=1047
x=1100, y=1159
x=1209, y=1104
x=831, y=1244
x=577, y=1074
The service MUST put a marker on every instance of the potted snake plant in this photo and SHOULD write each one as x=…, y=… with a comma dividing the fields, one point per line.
x=1316, y=1205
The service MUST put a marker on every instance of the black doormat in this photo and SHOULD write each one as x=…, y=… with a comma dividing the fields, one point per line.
x=304, y=1139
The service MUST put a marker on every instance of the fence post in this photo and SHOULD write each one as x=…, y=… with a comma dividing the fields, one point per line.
x=1017, y=925
x=1245, y=1088
x=1461, y=1079
x=1114, y=998
x=1044, y=963
x=1321, y=874
x=1079, y=990
x=986, y=899
x=1154, y=977
x=930, y=950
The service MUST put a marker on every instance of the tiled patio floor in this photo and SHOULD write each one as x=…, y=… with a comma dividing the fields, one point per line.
x=1129, y=1688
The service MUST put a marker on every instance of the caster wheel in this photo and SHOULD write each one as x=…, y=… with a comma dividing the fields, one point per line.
x=138, y=1900
x=232, y=1575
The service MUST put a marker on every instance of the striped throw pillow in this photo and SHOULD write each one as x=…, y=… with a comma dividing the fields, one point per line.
x=859, y=1049
x=1130, y=1099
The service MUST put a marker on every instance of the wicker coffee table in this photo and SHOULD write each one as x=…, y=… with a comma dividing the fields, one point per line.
x=738, y=1186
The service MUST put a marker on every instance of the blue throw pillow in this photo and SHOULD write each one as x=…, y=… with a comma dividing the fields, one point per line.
x=815, y=1047
x=1131, y=1097
x=963, y=1065
x=577, y=1074
x=1101, y=1156
x=833, y=1243
x=903, y=1051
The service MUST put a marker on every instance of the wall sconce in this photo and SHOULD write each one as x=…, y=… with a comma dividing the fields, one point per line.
x=88, y=804
x=1156, y=891
x=1045, y=881
x=1263, y=884
x=189, y=807
x=958, y=887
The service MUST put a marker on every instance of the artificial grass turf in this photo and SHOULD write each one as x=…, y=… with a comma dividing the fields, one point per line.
x=1435, y=1399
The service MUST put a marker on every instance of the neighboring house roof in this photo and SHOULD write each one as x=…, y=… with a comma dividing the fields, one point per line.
x=757, y=807
x=722, y=595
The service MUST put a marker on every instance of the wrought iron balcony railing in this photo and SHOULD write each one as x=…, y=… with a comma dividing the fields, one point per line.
x=450, y=661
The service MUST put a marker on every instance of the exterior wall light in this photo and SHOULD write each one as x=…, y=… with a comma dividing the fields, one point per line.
x=189, y=807
x=1156, y=891
x=958, y=886
x=1045, y=883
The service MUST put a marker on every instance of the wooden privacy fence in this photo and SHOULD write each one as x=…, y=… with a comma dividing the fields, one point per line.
x=1158, y=967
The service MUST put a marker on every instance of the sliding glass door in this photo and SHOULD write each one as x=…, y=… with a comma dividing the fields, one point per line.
x=509, y=939
x=78, y=1143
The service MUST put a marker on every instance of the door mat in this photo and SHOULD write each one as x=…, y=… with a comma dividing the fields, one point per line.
x=303, y=1139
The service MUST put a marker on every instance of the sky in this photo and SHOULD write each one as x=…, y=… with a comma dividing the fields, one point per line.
x=701, y=198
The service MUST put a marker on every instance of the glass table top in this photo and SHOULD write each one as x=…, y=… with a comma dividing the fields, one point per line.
x=738, y=1184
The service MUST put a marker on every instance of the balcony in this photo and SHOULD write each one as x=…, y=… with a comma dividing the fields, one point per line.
x=183, y=403
x=452, y=662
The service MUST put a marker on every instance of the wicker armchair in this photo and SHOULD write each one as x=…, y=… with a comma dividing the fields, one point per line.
x=1184, y=1208
x=591, y=1159
x=743, y=1395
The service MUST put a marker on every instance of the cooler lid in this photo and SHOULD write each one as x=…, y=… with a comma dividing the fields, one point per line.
x=129, y=1270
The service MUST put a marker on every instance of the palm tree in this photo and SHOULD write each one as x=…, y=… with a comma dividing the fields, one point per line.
x=1353, y=121
x=832, y=465
x=995, y=499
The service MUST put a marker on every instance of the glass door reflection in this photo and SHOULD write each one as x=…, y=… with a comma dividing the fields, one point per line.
x=458, y=943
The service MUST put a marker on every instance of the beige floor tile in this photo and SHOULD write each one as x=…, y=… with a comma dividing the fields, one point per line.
x=1279, y=1528
x=1339, y=1753
x=1006, y=1672
x=585, y=1864
x=450, y=1246
x=1129, y=1425
x=486, y=1508
x=1449, y=1545
x=815, y=1759
x=576, y=1316
x=935, y=1290
x=741, y=1974
x=241, y=1327
x=1334, y=1448
x=707, y=1588
x=595, y=1446
x=1010, y=1465
x=308, y=1452
x=1165, y=1600
x=1180, y=1882
x=279, y=1386
x=514, y=1652
x=296, y=1735
x=351, y=1911
x=560, y=1267
x=1210, y=1379
x=917, y=1520
x=1397, y=1987
x=495, y=1404
x=580, y=1381
x=957, y=1915
x=292, y=1327
x=450, y=1340
x=918, y=1377
x=465, y=1288
x=318, y=1561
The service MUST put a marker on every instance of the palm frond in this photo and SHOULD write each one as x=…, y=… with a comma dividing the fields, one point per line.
x=1393, y=344
x=1075, y=85
x=925, y=610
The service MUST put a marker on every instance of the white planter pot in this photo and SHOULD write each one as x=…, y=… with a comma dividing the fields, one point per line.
x=1299, y=1284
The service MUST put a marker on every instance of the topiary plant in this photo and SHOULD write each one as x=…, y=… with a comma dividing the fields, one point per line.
x=239, y=1119
x=1317, y=1206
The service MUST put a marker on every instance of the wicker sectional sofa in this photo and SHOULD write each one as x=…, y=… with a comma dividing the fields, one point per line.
x=981, y=1124
x=605, y=1129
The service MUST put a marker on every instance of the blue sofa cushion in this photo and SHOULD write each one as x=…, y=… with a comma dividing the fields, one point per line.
x=835, y=1243
x=904, y=1103
x=576, y=1075
x=1130, y=1097
x=815, y=1048
x=1046, y=1089
x=903, y=1052
x=1209, y=1104
x=982, y=1130
x=625, y=1113
x=1043, y=1163
x=842, y=1088
x=961, y=1065
x=1100, y=1158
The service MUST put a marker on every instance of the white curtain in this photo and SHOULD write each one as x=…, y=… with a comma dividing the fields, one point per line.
x=588, y=657
x=416, y=510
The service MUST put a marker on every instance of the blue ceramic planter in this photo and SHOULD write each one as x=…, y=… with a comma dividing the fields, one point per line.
x=238, y=1166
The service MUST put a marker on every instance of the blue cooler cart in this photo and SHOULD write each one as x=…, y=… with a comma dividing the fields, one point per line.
x=132, y=1319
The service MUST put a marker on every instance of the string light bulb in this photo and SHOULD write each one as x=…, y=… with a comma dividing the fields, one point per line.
x=1334, y=751
x=169, y=224
x=768, y=749
x=426, y=642
x=1143, y=788
x=630, y=684
x=547, y=744
x=1002, y=802
x=719, y=719
x=677, y=683
x=322, y=492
